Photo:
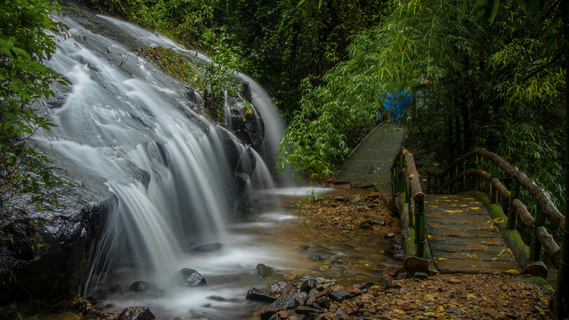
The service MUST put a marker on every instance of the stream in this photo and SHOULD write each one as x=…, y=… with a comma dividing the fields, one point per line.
x=130, y=133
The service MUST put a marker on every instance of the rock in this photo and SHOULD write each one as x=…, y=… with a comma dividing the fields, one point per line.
x=218, y=298
x=192, y=278
x=261, y=295
x=139, y=286
x=366, y=225
x=374, y=289
x=421, y=275
x=284, y=314
x=307, y=311
x=373, y=195
x=429, y=297
x=324, y=302
x=136, y=313
x=340, y=295
x=316, y=257
x=210, y=247
x=353, y=290
x=340, y=198
x=301, y=298
x=308, y=285
x=378, y=222
x=453, y=310
x=281, y=287
x=65, y=233
x=264, y=271
x=285, y=302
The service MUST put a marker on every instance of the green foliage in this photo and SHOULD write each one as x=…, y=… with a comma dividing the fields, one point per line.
x=24, y=81
x=286, y=43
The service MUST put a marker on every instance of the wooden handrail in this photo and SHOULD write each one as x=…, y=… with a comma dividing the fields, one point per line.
x=405, y=170
x=547, y=209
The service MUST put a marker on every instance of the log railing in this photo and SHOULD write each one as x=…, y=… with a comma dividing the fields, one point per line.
x=409, y=200
x=488, y=175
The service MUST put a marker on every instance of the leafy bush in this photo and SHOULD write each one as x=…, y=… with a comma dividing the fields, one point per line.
x=24, y=80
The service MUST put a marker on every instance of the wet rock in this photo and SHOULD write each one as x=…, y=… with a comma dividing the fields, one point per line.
x=324, y=302
x=340, y=295
x=137, y=313
x=308, y=285
x=285, y=302
x=220, y=299
x=264, y=271
x=47, y=252
x=192, y=278
x=210, y=247
x=281, y=287
x=260, y=295
x=301, y=298
x=315, y=257
x=139, y=286
x=307, y=311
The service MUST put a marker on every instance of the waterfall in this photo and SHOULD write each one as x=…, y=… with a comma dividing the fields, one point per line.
x=127, y=130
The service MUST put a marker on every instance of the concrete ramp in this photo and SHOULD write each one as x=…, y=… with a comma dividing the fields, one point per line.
x=370, y=162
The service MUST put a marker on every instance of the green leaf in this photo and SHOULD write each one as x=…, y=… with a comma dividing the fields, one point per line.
x=494, y=12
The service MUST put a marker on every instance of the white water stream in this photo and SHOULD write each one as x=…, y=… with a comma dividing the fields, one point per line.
x=126, y=130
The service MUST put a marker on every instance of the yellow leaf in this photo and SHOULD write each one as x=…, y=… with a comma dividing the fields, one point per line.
x=498, y=220
x=474, y=208
x=512, y=271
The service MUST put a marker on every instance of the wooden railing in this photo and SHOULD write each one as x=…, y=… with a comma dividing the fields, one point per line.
x=488, y=175
x=409, y=199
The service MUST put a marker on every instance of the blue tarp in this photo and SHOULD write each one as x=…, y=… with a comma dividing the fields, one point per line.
x=396, y=103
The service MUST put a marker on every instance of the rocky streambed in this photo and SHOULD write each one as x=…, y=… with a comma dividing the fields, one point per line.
x=342, y=258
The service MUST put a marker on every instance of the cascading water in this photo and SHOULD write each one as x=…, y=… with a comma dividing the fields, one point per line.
x=129, y=132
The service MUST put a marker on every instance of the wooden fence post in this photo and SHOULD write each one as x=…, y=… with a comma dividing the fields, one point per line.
x=512, y=213
x=535, y=249
x=420, y=229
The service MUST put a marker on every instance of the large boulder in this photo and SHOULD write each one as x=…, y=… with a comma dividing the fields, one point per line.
x=46, y=253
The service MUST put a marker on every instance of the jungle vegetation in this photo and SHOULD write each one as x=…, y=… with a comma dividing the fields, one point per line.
x=487, y=74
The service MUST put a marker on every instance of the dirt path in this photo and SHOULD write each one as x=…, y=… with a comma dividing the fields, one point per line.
x=376, y=291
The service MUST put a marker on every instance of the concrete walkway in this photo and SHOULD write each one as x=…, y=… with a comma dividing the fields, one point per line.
x=370, y=162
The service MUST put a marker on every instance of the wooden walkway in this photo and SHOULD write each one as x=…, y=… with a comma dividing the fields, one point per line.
x=462, y=236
